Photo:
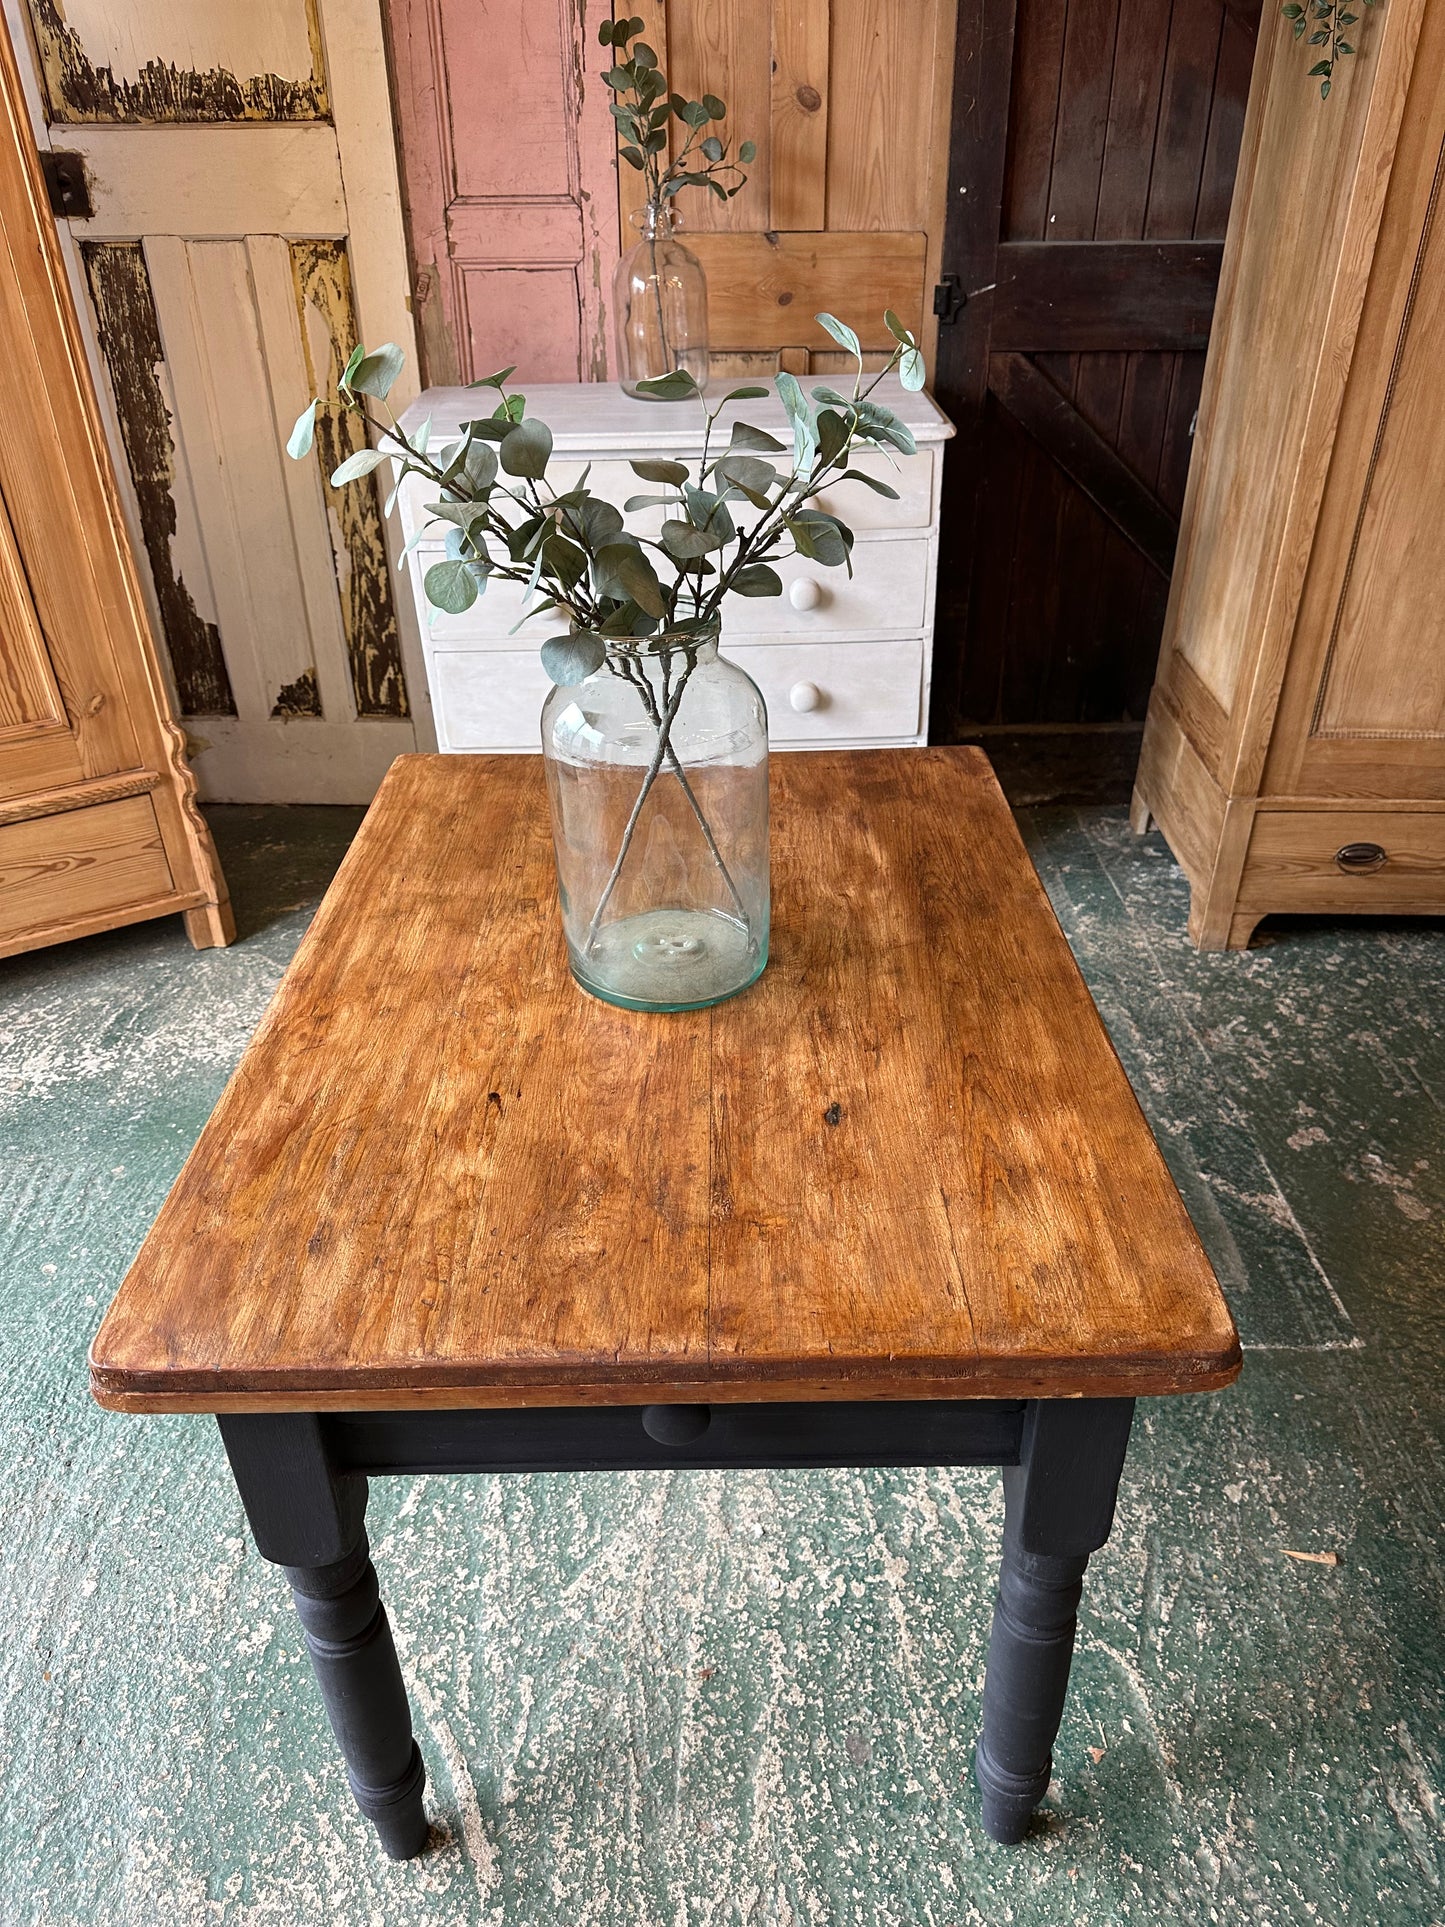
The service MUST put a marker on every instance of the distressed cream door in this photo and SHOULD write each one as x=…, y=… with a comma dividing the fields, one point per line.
x=246, y=228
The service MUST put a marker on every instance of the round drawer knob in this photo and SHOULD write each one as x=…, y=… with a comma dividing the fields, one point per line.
x=676, y=1424
x=805, y=593
x=804, y=696
x=1359, y=859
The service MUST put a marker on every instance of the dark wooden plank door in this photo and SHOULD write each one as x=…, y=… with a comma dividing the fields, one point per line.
x=1093, y=155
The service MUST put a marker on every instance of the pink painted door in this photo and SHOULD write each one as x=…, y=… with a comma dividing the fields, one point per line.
x=509, y=177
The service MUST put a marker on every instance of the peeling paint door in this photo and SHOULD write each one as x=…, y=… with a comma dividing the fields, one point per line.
x=245, y=230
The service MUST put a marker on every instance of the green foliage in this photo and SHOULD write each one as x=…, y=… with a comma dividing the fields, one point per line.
x=496, y=514
x=642, y=107
x=1329, y=19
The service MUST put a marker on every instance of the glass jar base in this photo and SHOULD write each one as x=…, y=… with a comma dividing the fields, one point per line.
x=670, y=960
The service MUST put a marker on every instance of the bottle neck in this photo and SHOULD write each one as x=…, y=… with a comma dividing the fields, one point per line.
x=657, y=221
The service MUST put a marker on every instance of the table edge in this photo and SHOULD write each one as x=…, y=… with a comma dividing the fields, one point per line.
x=383, y=1390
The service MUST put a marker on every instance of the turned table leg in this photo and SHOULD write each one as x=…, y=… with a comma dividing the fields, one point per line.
x=1058, y=1508
x=308, y=1519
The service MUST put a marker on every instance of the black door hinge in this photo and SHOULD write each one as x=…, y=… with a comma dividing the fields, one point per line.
x=66, y=185
x=949, y=298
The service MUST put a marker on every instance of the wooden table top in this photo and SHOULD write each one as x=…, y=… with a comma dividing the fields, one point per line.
x=907, y=1163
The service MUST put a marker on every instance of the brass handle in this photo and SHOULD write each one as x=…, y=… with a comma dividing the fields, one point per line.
x=1359, y=859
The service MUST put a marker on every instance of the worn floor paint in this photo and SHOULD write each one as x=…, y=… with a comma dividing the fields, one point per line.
x=750, y=1700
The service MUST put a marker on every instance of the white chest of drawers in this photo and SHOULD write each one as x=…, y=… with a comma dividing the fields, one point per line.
x=842, y=662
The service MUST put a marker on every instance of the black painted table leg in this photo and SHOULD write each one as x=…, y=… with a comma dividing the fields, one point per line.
x=308, y=1519
x=1058, y=1508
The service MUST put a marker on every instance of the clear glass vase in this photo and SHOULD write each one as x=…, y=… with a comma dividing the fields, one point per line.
x=659, y=301
x=657, y=773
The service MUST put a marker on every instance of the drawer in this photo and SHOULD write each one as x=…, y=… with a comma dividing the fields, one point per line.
x=859, y=506
x=1355, y=859
x=488, y=699
x=859, y=691
x=888, y=592
x=80, y=863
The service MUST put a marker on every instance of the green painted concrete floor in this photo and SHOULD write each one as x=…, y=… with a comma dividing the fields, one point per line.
x=670, y=1701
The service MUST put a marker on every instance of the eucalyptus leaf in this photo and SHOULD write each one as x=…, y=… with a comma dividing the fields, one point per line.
x=679, y=385
x=375, y=373
x=480, y=464
x=821, y=537
x=685, y=543
x=712, y=147
x=842, y=334
x=357, y=465
x=869, y=481
x=715, y=108
x=659, y=471
x=622, y=566
x=805, y=435
x=746, y=471
x=911, y=370
x=303, y=434
x=498, y=380
x=746, y=394
x=757, y=579
x=450, y=586
x=748, y=153
x=354, y=361
x=757, y=440
x=573, y=658
x=896, y=328
x=527, y=449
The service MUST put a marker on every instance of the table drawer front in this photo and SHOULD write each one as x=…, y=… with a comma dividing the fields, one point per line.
x=862, y=508
x=489, y=699
x=1357, y=859
x=887, y=594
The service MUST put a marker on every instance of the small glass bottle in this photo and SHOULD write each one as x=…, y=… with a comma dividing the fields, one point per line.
x=657, y=774
x=659, y=301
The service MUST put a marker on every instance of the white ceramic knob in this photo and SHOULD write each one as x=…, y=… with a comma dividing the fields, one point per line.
x=805, y=593
x=804, y=696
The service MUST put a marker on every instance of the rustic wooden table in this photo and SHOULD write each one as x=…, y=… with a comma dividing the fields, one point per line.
x=896, y=1205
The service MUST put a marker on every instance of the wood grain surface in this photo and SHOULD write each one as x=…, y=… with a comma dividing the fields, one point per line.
x=906, y=1164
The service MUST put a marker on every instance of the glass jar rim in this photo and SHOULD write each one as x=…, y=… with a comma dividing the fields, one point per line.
x=653, y=215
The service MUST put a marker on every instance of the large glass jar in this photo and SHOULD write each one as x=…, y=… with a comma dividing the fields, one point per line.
x=657, y=772
x=659, y=301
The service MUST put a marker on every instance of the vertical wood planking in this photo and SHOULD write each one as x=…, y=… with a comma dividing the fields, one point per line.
x=1083, y=119
x=1038, y=68
x=292, y=380
x=724, y=47
x=130, y=342
x=212, y=348
x=326, y=326
x=799, y=125
x=884, y=150
x=1190, y=67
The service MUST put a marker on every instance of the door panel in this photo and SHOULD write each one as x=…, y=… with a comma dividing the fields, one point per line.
x=510, y=216
x=1093, y=160
x=149, y=61
x=218, y=265
x=37, y=750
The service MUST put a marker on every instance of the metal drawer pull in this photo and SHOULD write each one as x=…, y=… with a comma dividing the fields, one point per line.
x=1359, y=859
x=804, y=696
